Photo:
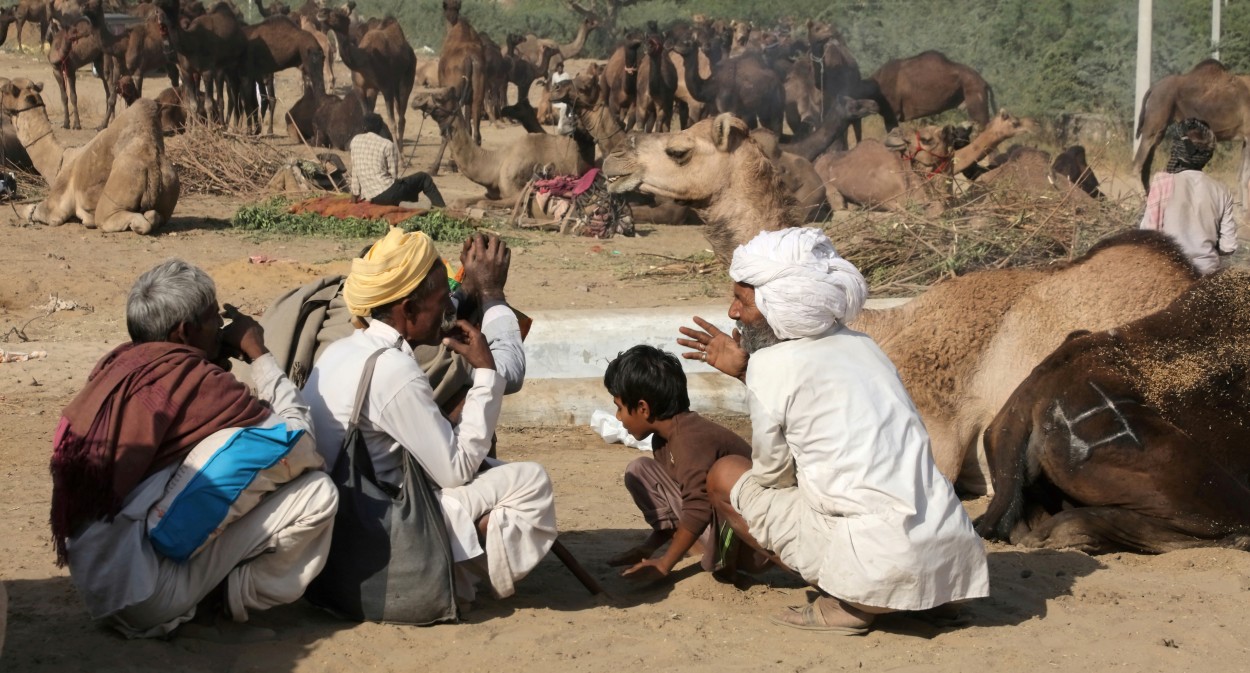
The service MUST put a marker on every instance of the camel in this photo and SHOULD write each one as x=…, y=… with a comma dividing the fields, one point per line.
x=657, y=93
x=583, y=95
x=73, y=47
x=273, y=45
x=325, y=120
x=504, y=173
x=306, y=19
x=714, y=166
x=838, y=119
x=873, y=175
x=521, y=72
x=210, y=49
x=427, y=73
x=620, y=79
x=35, y=11
x=462, y=66
x=929, y=83
x=382, y=61
x=804, y=104
x=744, y=86
x=799, y=177
x=1072, y=166
x=836, y=73
x=1135, y=437
x=121, y=179
x=148, y=48
x=1027, y=170
x=7, y=16
x=963, y=347
x=171, y=111
x=531, y=47
x=12, y=152
x=1209, y=92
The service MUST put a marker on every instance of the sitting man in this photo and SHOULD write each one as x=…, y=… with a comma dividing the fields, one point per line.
x=147, y=407
x=841, y=487
x=375, y=163
x=1189, y=205
x=506, y=511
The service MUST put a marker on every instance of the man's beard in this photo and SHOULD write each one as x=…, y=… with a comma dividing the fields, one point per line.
x=757, y=336
x=449, y=323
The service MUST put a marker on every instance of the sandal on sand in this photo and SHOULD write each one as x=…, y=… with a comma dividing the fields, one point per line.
x=808, y=618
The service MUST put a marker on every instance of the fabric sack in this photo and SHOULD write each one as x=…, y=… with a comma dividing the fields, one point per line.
x=221, y=480
x=390, y=558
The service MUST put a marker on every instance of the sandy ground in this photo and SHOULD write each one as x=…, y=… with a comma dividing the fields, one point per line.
x=1049, y=610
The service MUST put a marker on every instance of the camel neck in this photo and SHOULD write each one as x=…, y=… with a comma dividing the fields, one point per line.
x=473, y=161
x=977, y=150
x=35, y=133
x=575, y=47
x=750, y=200
x=602, y=126
x=698, y=87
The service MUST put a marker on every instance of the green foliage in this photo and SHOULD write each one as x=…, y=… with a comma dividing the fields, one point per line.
x=1042, y=58
x=273, y=217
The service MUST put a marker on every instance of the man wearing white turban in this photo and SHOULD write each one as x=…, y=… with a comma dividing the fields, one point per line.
x=841, y=487
x=400, y=285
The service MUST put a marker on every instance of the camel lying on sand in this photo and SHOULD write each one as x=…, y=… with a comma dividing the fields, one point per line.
x=1027, y=170
x=1133, y=438
x=962, y=347
x=714, y=166
x=504, y=173
x=121, y=179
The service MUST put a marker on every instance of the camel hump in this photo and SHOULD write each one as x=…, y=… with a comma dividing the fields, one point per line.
x=1210, y=64
x=1155, y=242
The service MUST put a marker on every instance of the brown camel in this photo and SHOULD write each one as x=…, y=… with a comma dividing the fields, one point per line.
x=1027, y=170
x=7, y=16
x=963, y=347
x=620, y=78
x=1132, y=438
x=744, y=86
x=148, y=48
x=657, y=90
x=12, y=151
x=172, y=111
x=531, y=47
x=73, y=47
x=462, y=66
x=836, y=73
x=929, y=83
x=34, y=11
x=382, y=61
x=1209, y=92
x=325, y=120
x=427, y=73
x=521, y=72
x=714, y=166
x=210, y=50
x=799, y=178
x=838, y=119
x=504, y=173
x=273, y=45
x=875, y=176
x=121, y=179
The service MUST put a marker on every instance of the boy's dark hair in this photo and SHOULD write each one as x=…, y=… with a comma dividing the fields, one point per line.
x=648, y=373
x=374, y=124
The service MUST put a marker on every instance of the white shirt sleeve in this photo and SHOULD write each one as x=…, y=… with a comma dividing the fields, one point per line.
x=772, y=462
x=503, y=333
x=450, y=455
x=1227, y=243
x=274, y=388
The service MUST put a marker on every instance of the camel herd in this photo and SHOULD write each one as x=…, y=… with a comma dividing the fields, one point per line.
x=745, y=129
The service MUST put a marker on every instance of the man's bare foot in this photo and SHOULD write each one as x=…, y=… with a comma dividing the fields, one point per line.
x=632, y=555
x=827, y=614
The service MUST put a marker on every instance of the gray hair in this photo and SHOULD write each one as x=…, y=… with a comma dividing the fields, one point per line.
x=171, y=293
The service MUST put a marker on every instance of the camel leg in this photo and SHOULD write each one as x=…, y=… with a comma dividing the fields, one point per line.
x=1145, y=156
x=122, y=197
x=54, y=210
x=1096, y=530
x=108, y=77
x=21, y=23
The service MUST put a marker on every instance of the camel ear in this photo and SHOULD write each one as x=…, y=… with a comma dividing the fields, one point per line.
x=728, y=132
x=38, y=87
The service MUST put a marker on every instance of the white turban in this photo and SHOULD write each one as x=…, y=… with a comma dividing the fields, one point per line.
x=802, y=287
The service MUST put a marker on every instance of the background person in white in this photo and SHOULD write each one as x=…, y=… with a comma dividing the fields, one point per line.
x=401, y=286
x=841, y=487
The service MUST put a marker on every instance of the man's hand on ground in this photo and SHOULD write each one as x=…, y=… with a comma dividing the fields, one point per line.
x=486, y=260
x=648, y=569
x=243, y=335
x=469, y=343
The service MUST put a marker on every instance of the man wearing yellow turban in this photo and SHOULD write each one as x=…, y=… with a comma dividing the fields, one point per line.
x=398, y=293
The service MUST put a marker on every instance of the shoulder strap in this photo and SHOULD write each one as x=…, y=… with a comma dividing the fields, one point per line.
x=366, y=378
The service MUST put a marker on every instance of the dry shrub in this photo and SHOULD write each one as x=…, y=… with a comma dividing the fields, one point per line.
x=211, y=160
x=901, y=254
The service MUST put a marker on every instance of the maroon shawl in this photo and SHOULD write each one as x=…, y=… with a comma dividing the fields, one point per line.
x=145, y=407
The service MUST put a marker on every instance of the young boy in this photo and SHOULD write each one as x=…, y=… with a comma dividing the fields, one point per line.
x=649, y=390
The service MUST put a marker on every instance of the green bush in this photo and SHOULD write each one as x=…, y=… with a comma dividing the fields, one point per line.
x=273, y=217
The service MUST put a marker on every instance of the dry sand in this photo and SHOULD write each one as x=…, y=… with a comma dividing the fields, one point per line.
x=1049, y=610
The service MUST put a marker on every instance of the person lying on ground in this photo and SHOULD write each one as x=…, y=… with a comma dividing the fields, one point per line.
x=841, y=487
x=152, y=414
x=398, y=295
x=648, y=388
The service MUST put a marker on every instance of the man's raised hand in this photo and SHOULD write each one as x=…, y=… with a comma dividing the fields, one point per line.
x=486, y=261
x=714, y=347
x=469, y=343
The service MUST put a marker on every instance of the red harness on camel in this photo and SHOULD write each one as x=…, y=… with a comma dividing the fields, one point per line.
x=944, y=162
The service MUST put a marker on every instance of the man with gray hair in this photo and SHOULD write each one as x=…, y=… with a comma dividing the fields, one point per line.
x=174, y=488
x=841, y=487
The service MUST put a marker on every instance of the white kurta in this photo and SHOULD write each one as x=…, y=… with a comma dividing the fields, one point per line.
x=843, y=486
x=400, y=414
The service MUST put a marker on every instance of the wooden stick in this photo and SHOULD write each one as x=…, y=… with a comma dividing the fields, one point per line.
x=591, y=584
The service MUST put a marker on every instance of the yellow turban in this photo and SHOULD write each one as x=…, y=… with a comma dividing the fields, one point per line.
x=390, y=271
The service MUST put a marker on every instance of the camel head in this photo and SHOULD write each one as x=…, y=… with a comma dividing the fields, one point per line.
x=591, y=22
x=690, y=166
x=513, y=40
x=441, y=105
x=338, y=20
x=926, y=148
x=451, y=11
x=1005, y=125
x=19, y=95
x=582, y=92
x=127, y=90
x=857, y=108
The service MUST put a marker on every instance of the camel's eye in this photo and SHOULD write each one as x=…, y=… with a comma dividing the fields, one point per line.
x=679, y=155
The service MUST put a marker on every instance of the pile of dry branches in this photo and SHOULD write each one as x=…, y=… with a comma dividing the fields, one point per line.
x=211, y=160
x=900, y=254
